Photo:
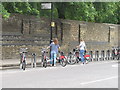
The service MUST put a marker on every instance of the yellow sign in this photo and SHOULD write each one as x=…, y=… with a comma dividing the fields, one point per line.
x=53, y=24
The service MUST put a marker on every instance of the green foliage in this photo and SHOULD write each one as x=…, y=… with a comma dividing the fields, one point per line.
x=106, y=12
x=4, y=12
x=81, y=11
x=100, y=12
x=20, y=7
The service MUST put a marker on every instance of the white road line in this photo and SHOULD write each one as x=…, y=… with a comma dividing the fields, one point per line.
x=115, y=65
x=84, y=83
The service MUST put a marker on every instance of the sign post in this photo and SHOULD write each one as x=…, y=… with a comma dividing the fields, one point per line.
x=49, y=6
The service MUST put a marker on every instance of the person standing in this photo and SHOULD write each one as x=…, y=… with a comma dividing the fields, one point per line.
x=82, y=47
x=54, y=46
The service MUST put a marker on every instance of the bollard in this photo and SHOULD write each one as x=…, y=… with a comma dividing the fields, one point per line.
x=20, y=60
x=116, y=53
x=102, y=54
x=97, y=55
x=113, y=54
x=108, y=55
x=91, y=55
x=33, y=60
x=118, y=57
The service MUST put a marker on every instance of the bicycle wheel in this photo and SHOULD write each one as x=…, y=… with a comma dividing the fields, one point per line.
x=23, y=65
x=71, y=59
x=63, y=62
x=45, y=63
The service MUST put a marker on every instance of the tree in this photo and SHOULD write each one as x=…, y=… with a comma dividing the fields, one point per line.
x=83, y=11
x=105, y=12
x=100, y=12
x=61, y=8
x=4, y=12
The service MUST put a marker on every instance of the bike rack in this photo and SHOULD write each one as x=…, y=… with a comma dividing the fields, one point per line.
x=112, y=54
x=97, y=55
x=108, y=55
x=91, y=55
x=102, y=55
x=33, y=60
x=20, y=59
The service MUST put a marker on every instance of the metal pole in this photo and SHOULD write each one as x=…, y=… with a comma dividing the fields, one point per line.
x=51, y=23
x=79, y=33
x=51, y=30
x=109, y=35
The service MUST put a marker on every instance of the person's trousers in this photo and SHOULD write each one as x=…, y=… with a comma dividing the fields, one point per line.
x=82, y=55
x=53, y=57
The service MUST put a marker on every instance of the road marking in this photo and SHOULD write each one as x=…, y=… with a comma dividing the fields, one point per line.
x=101, y=62
x=84, y=83
x=115, y=65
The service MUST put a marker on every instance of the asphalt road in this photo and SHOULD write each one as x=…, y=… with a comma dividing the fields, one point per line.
x=103, y=74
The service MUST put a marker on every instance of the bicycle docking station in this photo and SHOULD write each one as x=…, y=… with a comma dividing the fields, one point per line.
x=96, y=55
x=33, y=60
x=105, y=55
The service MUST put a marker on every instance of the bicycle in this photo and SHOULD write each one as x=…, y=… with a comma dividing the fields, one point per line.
x=115, y=53
x=87, y=57
x=62, y=59
x=73, y=57
x=45, y=59
x=23, y=52
x=76, y=53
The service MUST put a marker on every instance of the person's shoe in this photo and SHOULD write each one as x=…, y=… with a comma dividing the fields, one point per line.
x=86, y=62
x=54, y=64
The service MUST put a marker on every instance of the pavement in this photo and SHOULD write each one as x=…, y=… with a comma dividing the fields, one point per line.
x=102, y=74
x=14, y=63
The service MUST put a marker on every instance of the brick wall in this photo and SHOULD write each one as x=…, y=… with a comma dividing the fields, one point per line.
x=98, y=36
x=34, y=33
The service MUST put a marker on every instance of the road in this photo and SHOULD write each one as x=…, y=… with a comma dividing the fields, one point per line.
x=102, y=74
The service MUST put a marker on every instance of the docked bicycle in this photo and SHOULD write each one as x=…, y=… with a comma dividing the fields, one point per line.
x=73, y=57
x=62, y=59
x=23, y=52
